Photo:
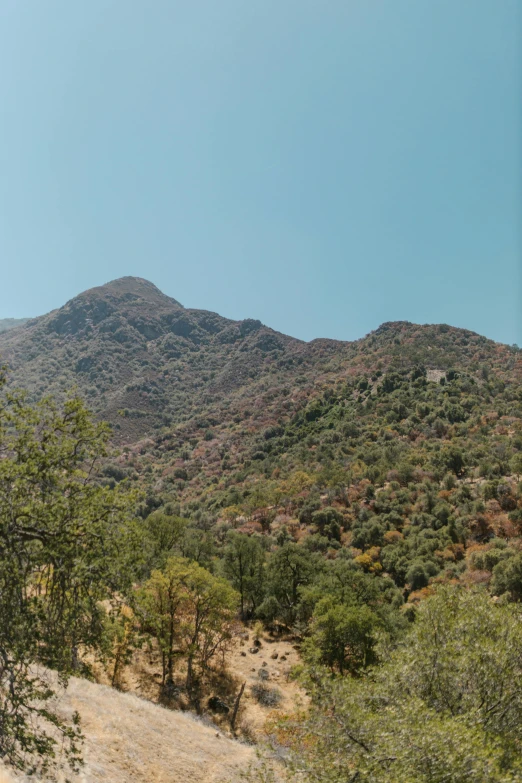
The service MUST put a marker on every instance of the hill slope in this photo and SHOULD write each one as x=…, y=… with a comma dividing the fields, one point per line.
x=394, y=460
x=210, y=405
x=129, y=739
x=129, y=348
x=10, y=323
x=126, y=345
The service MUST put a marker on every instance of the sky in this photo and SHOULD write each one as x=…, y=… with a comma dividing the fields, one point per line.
x=323, y=166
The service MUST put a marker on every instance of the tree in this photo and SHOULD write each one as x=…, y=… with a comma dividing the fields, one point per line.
x=289, y=569
x=198, y=545
x=341, y=637
x=328, y=521
x=208, y=614
x=189, y=612
x=416, y=576
x=507, y=577
x=516, y=464
x=451, y=458
x=120, y=640
x=164, y=536
x=447, y=706
x=159, y=606
x=243, y=565
x=64, y=545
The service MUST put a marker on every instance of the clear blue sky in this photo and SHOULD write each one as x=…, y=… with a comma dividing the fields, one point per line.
x=323, y=166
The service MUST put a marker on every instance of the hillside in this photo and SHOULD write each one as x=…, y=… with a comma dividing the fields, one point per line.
x=314, y=478
x=10, y=323
x=129, y=739
x=144, y=362
x=127, y=346
x=207, y=407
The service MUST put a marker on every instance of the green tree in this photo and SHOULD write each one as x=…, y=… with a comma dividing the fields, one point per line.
x=189, y=612
x=447, y=706
x=64, y=547
x=159, y=604
x=516, y=464
x=207, y=622
x=243, y=565
x=290, y=568
x=328, y=521
x=450, y=458
x=341, y=637
x=164, y=537
x=507, y=577
x=120, y=639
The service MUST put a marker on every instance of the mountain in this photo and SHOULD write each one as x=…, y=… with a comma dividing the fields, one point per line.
x=145, y=362
x=10, y=323
x=126, y=346
x=360, y=472
x=205, y=402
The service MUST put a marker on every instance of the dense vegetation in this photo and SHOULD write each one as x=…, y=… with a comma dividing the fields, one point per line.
x=65, y=547
x=397, y=481
x=351, y=495
x=445, y=706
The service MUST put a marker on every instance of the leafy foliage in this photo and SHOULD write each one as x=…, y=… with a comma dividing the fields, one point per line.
x=446, y=707
x=334, y=486
x=191, y=614
x=64, y=542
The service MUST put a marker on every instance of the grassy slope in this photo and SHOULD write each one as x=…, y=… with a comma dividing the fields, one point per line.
x=129, y=739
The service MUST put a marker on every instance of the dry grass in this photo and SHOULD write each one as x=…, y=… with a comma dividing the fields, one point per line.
x=130, y=740
x=143, y=677
x=246, y=668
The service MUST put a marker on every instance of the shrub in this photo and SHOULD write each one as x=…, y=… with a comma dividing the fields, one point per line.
x=266, y=696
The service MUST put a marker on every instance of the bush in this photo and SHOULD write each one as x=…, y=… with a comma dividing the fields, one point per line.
x=446, y=705
x=266, y=696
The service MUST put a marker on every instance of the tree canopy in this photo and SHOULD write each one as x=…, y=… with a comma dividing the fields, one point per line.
x=446, y=706
x=65, y=545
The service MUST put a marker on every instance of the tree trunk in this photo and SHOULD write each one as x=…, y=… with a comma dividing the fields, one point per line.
x=189, y=673
x=236, y=708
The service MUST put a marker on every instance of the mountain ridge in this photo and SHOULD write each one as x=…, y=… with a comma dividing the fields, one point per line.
x=127, y=347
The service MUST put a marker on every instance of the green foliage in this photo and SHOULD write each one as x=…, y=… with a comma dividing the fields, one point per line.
x=507, y=577
x=323, y=481
x=289, y=569
x=341, y=637
x=190, y=613
x=164, y=535
x=243, y=565
x=516, y=464
x=119, y=641
x=328, y=521
x=65, y=545
x=446, y=707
